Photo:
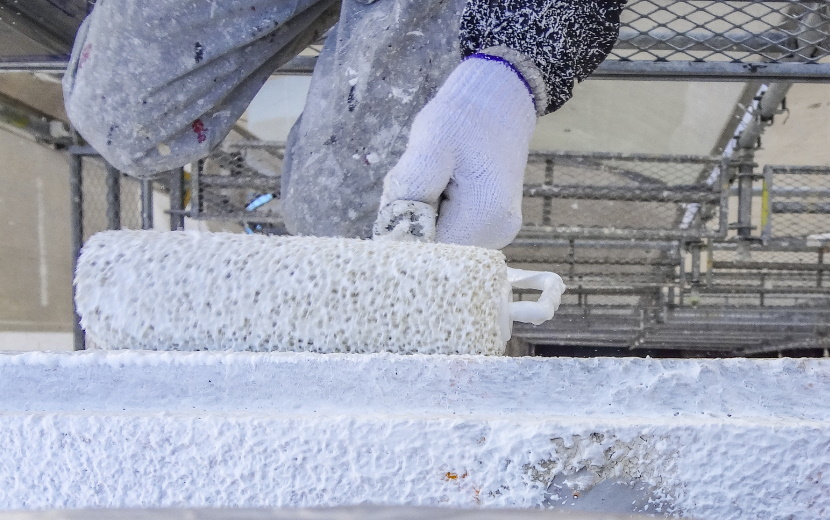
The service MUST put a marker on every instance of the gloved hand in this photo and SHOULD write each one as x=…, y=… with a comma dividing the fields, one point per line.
x=469, y=144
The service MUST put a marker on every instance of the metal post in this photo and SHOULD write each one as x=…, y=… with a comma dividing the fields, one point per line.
x=547, y=204
x=571, y=259
x=146, y=204
x=177, y=199
x=767, y=105
x=746, y=177
x=113, y=198
x=76, y=212
x=761, y=292
x=195, y=191
x=681, y=274
x=710, y=261
x=695, y=249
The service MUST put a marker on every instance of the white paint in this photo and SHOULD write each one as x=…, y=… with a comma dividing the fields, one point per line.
x=728, y=151
x=403, y=95
x=288, y=293
x=36, y=341
x=713, y=439
x=43, y=266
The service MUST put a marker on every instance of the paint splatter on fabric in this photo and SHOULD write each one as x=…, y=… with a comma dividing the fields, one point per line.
x=565, y=39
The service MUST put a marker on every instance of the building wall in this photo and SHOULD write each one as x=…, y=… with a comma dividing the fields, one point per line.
x=35, y=277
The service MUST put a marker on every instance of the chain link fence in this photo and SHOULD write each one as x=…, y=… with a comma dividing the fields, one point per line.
x=726, y=31
x=606, y=195
x=239, y=182
x=796, y=202
x=110, y=199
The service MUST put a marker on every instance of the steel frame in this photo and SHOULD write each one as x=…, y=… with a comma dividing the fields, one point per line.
x=690, y=51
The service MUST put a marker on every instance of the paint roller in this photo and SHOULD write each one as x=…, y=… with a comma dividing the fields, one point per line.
x=183, y=290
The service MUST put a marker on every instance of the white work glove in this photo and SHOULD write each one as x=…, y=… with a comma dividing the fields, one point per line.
x=469, y=144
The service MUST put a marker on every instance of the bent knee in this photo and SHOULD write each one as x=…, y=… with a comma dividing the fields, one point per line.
x=136, y=145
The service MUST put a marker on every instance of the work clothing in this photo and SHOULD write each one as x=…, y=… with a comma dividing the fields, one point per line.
x=155, y=85
x=468, y=149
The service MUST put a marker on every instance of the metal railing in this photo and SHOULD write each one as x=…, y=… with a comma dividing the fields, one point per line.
x=625, y=196
x=796, y=203
x=640, y=276
x=722, y=40
x=689, y=39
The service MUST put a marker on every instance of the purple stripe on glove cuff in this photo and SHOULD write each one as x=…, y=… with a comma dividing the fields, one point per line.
x=499, y=59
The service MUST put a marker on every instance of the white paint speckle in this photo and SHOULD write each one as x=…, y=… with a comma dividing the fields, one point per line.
x=401, y=94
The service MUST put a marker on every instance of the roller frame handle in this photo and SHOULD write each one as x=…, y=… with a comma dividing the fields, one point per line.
x=543, y=309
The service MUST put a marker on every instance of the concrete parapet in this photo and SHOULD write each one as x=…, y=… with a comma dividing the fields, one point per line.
x=706, y=439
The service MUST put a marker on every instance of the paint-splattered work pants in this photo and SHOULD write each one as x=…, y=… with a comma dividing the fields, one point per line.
x=155, y=85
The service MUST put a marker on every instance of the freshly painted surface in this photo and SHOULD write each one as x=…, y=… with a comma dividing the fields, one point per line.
x=708, y=439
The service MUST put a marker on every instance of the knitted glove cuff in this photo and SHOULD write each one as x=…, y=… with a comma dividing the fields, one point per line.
x=526, y=69
x=565, y=40
x=490, y=84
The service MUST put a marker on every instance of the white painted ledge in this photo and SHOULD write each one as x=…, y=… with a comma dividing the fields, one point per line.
x=710, y=439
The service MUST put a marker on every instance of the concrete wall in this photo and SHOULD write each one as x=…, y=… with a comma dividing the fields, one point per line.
x=35, y=278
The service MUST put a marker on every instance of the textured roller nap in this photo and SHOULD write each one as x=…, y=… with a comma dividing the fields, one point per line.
x=729, y=439
x=203, y=291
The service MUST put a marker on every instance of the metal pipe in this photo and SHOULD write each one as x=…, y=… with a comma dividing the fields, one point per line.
x=548, y=202
x=113, y=198
x=640, y=262
x=767, y=106
x=695, y=249
x=196, y=171
x=781, y=245
x=177, y=199
x=530, y=232
x=816, y=208
x=749, y=289
x=245, y=217
x=632, y=157
x=636, y=70
x=48, y=64
x=588, y=243
x=611, y=69
x=746, y=177
x=777, y=266
x=146, y=204
x=254, y=182
x=76, y=224
x=675, y=194
x=800, y=170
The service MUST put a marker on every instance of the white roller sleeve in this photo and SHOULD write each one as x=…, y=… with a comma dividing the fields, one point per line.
x=203, y=291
